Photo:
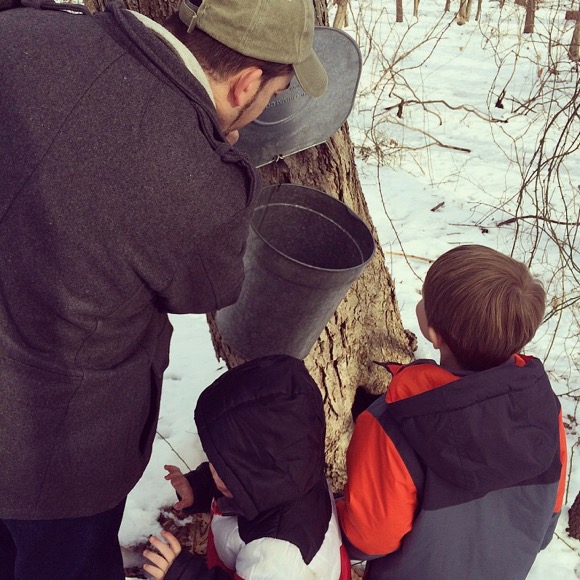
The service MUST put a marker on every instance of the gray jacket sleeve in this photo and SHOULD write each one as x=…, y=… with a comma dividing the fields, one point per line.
x=550, y=530
x=211, y=278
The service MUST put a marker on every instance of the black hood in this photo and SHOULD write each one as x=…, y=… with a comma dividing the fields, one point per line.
x=485, y=431
x=262, y=426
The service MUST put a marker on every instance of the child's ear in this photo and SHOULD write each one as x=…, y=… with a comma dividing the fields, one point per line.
x=435, y=338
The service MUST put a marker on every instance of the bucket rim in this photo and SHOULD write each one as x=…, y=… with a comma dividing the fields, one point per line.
x=361, y=265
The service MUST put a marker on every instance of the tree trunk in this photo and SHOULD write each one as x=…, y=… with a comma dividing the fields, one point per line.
x=399, y=11
x=341, y=16
x=573, y=528
x=478, y=13
x=464, y=12
x=367, y=325
x=574, y=49
x=530, y=16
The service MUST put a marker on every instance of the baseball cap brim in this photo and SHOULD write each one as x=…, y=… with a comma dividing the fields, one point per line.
x=311, y=75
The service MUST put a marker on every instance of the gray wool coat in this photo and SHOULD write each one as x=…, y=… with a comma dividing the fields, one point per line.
x=120, y=202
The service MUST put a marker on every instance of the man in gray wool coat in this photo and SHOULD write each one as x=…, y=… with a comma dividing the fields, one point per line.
x=121, y=200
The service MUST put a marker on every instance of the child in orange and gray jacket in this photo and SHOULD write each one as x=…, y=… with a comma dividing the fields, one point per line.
x=458, y=473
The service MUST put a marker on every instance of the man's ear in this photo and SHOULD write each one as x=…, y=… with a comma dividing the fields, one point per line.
x=244, y=86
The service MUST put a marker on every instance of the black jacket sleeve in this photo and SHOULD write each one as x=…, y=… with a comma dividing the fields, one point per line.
x=188, y=566
x=204, y=489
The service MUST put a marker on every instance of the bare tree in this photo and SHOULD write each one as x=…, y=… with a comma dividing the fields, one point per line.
x=341, y=14
x=464, y=12
x=367, y=325
x=530, y=16
x=478, y=13
x=399, y=11
x=574, y=50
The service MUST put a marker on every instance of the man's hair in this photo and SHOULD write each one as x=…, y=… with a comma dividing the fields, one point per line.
x=218, y=60
x=485, y=305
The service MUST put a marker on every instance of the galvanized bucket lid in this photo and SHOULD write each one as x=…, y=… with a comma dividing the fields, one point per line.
x=293, y=121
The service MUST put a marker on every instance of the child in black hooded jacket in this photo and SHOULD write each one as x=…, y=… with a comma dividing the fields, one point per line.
x=262, y=427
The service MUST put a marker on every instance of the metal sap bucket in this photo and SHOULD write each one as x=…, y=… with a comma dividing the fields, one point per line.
x=304, y=251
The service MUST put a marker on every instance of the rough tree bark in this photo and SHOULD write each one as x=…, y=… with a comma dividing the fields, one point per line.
x=367, y=324
x=573, y=528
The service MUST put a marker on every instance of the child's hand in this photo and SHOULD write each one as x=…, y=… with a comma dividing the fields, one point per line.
x=181, y=486
x=167, y=554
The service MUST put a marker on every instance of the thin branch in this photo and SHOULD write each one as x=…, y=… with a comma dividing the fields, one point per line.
x=399, y=107
x=536, y=217
x=405, y=255
x=174, y=451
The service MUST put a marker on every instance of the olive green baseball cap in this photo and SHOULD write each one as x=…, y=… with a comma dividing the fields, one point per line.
x=272, y=30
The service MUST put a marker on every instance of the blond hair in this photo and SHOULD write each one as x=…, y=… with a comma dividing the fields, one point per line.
x=485, y=305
